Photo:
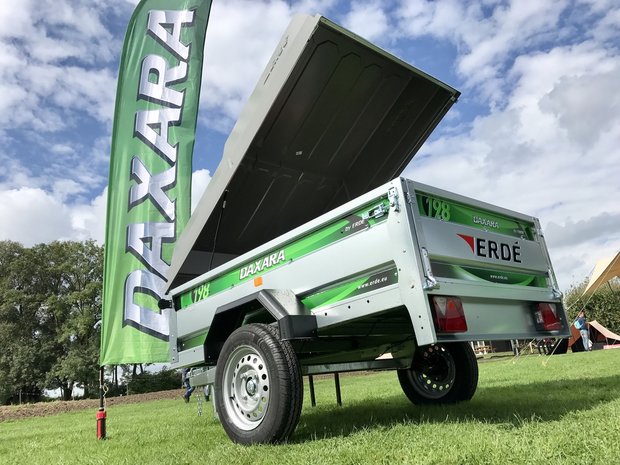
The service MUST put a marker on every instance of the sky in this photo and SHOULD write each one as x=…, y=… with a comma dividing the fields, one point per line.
x=536, y=129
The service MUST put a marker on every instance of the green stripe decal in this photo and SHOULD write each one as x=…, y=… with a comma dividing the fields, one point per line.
x=367, y=217
x=470, y=273
x=351, y=288
x=193, y=342
x=455, y=212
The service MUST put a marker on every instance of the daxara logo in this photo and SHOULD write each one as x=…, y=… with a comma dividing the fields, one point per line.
x=487, y=248
x=262, y=264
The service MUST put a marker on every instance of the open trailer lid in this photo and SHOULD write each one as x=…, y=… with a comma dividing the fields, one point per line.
x=331, y=118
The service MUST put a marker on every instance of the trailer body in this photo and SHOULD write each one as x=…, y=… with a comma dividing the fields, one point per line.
x=309, y=254
x=358, y=282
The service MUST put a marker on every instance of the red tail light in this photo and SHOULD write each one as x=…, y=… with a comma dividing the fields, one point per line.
x=546, y=317
x=448, y=314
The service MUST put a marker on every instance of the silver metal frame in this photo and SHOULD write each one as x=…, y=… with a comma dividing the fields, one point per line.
x=494, y=311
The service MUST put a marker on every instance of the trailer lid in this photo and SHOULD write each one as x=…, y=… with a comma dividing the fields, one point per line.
x=331, y=118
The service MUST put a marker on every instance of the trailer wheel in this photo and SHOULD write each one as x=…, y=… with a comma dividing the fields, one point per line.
x=259, y=390
x=560, y=346
x=441, y=374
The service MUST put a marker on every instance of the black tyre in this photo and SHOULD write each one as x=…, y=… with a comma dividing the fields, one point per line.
x=560, y=346
x=441, y=374
x=258, y=386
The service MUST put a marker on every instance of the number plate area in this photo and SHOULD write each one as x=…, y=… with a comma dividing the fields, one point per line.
x=471, y=243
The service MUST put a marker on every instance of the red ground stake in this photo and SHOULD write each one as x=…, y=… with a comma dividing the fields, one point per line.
x=101, y=416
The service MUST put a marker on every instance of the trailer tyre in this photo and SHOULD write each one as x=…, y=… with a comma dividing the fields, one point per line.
x=259, y=390
x=441, y=374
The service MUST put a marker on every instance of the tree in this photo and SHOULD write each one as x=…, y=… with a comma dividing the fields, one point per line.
x=74, y=272
x=602, y=306
x=22, y=372
x=50, y=299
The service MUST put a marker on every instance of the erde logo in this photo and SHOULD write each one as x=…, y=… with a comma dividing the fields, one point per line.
x=487, y=248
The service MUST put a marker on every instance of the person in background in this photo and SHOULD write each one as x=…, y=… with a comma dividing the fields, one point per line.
x=185, y=381
x=582, y=325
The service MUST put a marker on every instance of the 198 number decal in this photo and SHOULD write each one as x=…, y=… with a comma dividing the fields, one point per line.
x=437, y=208
x=201, y=292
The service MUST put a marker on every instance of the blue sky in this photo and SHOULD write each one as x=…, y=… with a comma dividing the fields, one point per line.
x=537, y=128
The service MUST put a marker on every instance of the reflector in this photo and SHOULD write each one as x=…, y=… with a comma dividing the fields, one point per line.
x=546, y=317
x=448, y=314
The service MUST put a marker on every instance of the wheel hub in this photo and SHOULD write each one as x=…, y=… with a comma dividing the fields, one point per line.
x=246, y=388
x=250, y=386
x=434, y=372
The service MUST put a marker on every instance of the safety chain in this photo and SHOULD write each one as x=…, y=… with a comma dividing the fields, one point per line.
x=199, y=405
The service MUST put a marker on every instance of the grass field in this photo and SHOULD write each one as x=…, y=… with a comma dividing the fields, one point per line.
x=564, y=411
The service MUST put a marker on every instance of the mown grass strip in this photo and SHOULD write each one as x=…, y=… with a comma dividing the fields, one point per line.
x=523, y=413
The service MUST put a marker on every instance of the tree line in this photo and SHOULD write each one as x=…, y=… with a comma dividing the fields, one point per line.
x=50, y=303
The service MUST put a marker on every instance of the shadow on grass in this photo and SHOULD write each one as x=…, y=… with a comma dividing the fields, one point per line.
x=542, y=401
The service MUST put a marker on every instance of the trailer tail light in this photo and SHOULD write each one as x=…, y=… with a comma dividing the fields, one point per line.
x=546, y=317
x=448, y=314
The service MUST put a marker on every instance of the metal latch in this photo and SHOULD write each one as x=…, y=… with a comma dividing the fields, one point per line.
x=376, y=212
x=431, y=282
x=393, y=198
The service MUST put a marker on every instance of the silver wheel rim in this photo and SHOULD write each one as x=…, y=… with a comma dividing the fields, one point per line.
x=246, y=388
x=434, y=372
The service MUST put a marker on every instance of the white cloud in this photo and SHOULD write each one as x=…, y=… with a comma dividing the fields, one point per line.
x=37, y=41
x=88, y=220
x=368, y=19
x=594, y=102
x=62, y=149
x=32, y=216
x=603, y=228
x=489, y=35
x=237, y=47
x=552, y=152
x=200, y=181
x=38, y=216
x=15, y=18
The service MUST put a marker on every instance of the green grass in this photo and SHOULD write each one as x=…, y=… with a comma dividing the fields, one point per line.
x=563, y=412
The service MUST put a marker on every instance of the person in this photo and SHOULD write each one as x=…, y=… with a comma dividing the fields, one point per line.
x=582, y=325
x=185, y=382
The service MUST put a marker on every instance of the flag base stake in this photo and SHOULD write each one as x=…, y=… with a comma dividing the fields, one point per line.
x=101, y=413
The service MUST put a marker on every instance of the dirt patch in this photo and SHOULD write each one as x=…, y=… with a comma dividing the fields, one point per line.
x=42, y=409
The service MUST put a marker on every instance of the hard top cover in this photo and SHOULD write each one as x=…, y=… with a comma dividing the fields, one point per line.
x=331, y=118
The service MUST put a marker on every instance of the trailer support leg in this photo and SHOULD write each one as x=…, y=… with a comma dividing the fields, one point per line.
x=338, y=396
x=311, y=385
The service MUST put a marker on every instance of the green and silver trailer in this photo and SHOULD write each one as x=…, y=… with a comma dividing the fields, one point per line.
x=308, y=254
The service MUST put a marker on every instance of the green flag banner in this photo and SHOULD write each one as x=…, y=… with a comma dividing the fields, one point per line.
x=150, y=173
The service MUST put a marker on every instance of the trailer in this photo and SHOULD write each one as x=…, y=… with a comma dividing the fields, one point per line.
x=309, y=254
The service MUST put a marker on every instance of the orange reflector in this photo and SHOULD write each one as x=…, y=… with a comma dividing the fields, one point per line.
x=258, y=281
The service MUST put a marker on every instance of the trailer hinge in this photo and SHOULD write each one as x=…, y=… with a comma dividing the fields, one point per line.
x=408, y=198
x=393, y=199
x=431, y=282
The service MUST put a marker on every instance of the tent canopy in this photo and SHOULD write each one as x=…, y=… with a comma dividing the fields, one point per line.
x=605, y=335
x=605, y=269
